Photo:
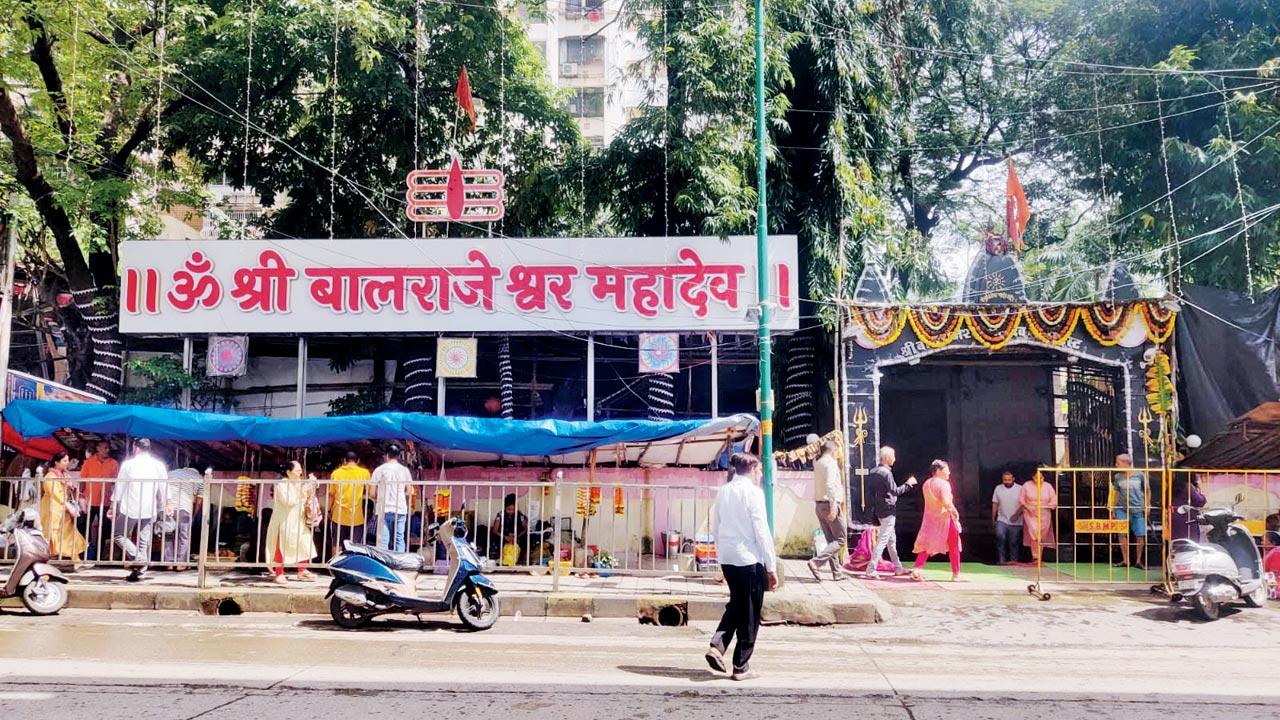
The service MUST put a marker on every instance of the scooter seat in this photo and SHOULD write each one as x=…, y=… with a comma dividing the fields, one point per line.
x=412, y=562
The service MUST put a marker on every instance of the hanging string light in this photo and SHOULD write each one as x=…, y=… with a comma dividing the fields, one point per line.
x=502, y=104
x=161, y=38
x=71, y=92
x=581, y=93
x=417, y=89
x=1235, y=172
x=248, y=109
x=1175, y=261
x=666, y=130
x=1102, y=175
x=333, y=121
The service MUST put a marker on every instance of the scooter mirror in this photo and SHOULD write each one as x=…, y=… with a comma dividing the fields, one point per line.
x=1239, y=498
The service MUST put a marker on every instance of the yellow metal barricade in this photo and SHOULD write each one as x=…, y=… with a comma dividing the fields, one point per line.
x=1097, y=525
x=1258, y=491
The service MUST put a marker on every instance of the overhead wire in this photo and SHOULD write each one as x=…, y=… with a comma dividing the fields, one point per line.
x=358, y=187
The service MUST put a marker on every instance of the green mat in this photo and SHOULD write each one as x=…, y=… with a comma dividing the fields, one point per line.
x=1103, y=572
x=940, y=571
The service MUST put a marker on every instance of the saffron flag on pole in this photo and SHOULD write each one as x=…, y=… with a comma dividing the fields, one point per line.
x=464, y=97
x=1017, y=209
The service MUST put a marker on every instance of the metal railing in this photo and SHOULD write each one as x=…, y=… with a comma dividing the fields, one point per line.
x=1259, y=491
x=1084, y=525
x=221, y=525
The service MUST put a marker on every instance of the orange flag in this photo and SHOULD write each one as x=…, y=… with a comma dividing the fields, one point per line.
x=464, y=97
x=1017, y=209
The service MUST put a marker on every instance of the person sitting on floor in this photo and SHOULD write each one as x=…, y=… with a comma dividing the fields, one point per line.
x=510, y=527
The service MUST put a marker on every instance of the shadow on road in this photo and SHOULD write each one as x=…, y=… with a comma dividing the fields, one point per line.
x=388, y=625
x=672, y=673
x=1179, y=614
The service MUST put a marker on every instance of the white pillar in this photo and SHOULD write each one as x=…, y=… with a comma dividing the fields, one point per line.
x=188, y=352
x=6, y=307
x=302, y=376
x=591, y=377
x=715, y=375
x=439, y=395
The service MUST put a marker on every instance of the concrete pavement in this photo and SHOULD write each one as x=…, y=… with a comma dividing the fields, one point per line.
x=800, y=600
x=1133, y=659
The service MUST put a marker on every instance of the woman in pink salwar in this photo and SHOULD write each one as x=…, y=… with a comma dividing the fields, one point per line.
x=940, y=526
x=1039, y=500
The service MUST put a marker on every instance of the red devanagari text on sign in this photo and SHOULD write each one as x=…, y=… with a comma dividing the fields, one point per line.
x=194, y=285
x=265, y=287
x=533, y=287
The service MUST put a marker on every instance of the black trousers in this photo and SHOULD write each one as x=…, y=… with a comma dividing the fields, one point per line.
x=742, y=614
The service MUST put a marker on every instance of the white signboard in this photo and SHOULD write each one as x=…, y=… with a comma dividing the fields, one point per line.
x=452, y=285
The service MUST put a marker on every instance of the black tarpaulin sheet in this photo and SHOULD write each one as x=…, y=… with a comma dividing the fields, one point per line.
x=1227, y=362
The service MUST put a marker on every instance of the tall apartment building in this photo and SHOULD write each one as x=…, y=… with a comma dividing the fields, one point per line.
x=591, y=49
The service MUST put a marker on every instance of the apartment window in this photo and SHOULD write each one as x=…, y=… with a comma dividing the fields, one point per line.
x=582, y=50
x=586, y=102
x=589, y=9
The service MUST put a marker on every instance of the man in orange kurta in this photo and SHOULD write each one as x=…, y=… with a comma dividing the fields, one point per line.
x=96, y=474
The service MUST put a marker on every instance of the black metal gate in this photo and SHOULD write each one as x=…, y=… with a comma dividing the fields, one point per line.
x=1095, y=416
x=1089, y=427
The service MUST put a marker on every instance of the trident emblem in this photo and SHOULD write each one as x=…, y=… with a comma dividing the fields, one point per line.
x=860, y=425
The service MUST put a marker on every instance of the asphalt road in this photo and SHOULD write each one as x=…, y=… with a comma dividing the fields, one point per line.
x=1131, y=661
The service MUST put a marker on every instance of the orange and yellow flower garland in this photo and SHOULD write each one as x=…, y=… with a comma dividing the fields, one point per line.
x=993, y=327
x=935, y=326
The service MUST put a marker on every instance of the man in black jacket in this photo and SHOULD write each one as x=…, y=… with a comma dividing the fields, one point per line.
x=883, y=494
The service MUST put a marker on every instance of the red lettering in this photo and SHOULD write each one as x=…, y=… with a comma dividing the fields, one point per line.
x=141, y=291
x=266, y=287
x=475, y=284
x=651, y=288
x=429, y=282
x=194, y=284
x=784, y=286
x=531, y=284
x=389, y=291
x=609, y=281
x=335, y=288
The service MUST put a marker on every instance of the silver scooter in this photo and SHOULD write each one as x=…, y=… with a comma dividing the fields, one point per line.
x=42, y=587
x=1225, y=568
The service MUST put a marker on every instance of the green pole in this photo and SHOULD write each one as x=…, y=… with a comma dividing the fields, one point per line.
x=762, y=270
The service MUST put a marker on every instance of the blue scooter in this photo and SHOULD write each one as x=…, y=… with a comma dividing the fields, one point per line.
x=369, y=581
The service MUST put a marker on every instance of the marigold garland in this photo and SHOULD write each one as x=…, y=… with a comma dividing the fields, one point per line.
x=881, y=325
x=1159, y=320
x=994, y=329
x=1053, y=325
x=935, y=326
x=1107, y=324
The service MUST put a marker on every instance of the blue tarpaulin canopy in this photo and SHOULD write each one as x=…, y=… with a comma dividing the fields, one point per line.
x=686, y=442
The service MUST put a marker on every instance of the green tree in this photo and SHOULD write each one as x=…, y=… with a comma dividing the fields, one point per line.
x=78, y=105
x=85, y=86
x=302, y=112
x=1211, y=77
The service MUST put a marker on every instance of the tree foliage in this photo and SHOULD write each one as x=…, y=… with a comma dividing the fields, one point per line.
x=1219, y=125
x=305, y=108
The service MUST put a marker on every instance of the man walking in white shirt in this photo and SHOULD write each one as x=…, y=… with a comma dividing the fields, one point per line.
x=136, y=499
x=744, y=546
x=391, y=482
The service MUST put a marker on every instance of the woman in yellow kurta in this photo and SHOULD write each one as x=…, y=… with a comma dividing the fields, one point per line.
x=289, y=538
x=57, y=516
